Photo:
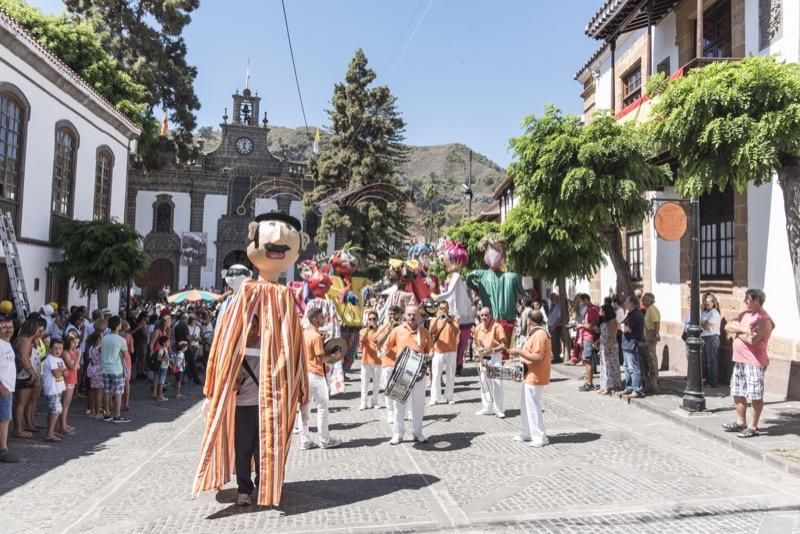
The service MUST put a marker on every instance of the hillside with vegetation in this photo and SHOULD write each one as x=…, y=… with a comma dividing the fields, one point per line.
x=432, y=174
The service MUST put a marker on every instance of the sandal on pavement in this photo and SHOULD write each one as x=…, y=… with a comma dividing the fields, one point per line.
x=733, y=427
x=748, y=433
x=24, y=435
x=53, y=440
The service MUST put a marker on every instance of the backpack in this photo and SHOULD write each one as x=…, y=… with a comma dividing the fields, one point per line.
x=153, y=362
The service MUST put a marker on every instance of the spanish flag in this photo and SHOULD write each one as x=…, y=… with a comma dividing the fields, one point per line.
x=164, y=126
x=315, y=146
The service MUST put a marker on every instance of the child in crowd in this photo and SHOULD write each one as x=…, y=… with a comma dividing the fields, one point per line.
x=161, y=375
x=53, y=386
x=72, y=362
x=178, y=364
x=95, y=373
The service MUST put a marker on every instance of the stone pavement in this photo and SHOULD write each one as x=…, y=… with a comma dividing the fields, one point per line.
x=609, y=468
x=778, y=444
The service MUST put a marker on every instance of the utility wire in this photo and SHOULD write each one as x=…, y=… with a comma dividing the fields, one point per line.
x=294, y=66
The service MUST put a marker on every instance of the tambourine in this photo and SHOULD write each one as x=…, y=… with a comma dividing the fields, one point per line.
x=331, y=356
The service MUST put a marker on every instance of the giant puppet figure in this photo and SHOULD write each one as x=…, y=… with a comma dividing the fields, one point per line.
x=454, y=258
x=499, y=290
x=345, y=293
x=423, y=284
x=256, y=375
x=400, y=275
x=319, y=284
x=234, y=277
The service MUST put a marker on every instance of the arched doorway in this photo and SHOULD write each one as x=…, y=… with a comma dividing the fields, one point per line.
x=160, y=273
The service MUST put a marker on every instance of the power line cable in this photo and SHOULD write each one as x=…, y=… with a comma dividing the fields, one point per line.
x=294, y=67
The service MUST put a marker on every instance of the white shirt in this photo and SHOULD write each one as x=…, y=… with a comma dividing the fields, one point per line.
x=8, y=369
x=457, y=298
x=51, y=384
x=712, y=316
x=248, y=390
x=195, y=331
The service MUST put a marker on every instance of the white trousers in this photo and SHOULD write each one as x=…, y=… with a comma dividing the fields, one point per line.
x=386, y=372
x=370, y=372
x=531, y=414
x=417, y=401
x=492, y=389
x=318, y=389
x=443, y=362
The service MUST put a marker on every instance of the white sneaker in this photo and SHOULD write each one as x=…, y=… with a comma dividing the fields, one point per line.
x=395, y=440
x=308, y=445
x=420, y=439
x=501, y=415
x=538, y=444
x=451, y=402
x=484, y=412
x=331, y=443
x=520, y=438
x=431, y=403
x=362, y=407
x=378, y=406
x=162, y=398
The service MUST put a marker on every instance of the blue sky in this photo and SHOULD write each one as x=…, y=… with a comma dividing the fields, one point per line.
x=464, y=71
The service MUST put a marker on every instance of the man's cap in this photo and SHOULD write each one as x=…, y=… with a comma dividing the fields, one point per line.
x=279, y=216
x=5, y=318
x=106, y=311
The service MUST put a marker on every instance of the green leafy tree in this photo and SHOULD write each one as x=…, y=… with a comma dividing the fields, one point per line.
x=470, y=233
x=145, y=37
x=431, y=204
x=365, y=147
x=595, y=176
x=101, y=256
x=80, y=48
x=733, y=124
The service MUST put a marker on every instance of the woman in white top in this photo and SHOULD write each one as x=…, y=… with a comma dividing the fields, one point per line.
x=710, y=319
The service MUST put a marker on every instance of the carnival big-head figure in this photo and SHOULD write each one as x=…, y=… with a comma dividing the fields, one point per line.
x=494, y=255
x=259, y=333
x=454, y=258
x=235, y=275
x=453, y=255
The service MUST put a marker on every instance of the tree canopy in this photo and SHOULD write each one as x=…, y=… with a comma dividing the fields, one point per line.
x=100, y=255
x=366, y=146
x=735, y=123
x=579, y=183
x=78, y=45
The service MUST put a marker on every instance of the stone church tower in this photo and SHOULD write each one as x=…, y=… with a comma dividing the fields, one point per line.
x=194, y=216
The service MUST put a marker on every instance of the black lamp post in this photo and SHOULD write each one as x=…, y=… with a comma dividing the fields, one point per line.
x=693, y=398
x=468, y=198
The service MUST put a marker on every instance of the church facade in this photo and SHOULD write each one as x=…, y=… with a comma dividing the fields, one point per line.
x=194, y=217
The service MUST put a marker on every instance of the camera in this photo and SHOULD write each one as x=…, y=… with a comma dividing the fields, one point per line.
x=443, y=316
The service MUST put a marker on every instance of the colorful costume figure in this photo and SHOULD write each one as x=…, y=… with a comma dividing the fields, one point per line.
x=345, y=293
x=302, y=293
x=400, y=275
x=257, y=353
x=319, y=284
x=454, y=257
x=422, y=284
x=499, y=291
x=234, y=277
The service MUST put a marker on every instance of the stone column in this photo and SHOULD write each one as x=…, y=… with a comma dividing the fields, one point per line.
x=196, y=225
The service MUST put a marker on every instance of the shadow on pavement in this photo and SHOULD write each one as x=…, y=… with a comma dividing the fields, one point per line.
x=573, y=437
x=311, y=495
x=454, y=441
x=347, y=426
x=363, y=442
x=786, y=423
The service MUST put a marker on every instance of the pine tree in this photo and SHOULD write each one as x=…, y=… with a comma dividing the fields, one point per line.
x=365, y=147
x=144, y=36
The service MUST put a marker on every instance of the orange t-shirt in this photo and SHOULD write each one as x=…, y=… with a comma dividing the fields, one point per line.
x=402, y=337
x=313, y=348
x=369, y=349
x=447, y=339
x=538, y=344
x=487, y=338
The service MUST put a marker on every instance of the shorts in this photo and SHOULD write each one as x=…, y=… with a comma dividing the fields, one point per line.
x=747, y=381
x=23, y=383
x=178, y=377
x=162, y=376
x=96, y=381
x=5, y=407
x=587, y=352
x=114, y=384
x=54, y=404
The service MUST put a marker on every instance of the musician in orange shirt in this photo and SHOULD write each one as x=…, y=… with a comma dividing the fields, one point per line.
x=318, y=385
x=489, y=341
x=394, y=318
x=445, y=332
x=414, y=336
x=370, y=362
x=536, y=355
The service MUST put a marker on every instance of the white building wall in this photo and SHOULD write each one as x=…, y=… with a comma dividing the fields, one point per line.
x=49, y=103
x=664, y=42
x=665, y=259
x=214, y=207
x=787, y=46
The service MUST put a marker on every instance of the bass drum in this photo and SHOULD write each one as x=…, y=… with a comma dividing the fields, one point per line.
x=408, y=370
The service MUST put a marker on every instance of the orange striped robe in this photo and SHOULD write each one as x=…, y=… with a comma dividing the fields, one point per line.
x=283, y=383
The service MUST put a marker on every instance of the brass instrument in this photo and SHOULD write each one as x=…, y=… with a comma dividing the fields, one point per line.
x=331, y=345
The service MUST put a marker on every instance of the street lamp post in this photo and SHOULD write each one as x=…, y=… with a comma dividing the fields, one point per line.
x=468, y=187
x=693, y=398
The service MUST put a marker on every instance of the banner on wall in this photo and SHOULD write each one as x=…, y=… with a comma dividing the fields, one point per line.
x=194, y=248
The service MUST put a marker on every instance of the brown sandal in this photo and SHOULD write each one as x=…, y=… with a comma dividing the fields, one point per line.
x=22, y=435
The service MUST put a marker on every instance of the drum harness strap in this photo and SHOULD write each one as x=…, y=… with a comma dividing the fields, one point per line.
x=249, y=372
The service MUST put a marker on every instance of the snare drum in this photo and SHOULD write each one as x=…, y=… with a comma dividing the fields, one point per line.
x=509, y=372
x=409, y=369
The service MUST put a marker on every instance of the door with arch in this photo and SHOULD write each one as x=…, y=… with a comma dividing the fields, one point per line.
x=160, y=273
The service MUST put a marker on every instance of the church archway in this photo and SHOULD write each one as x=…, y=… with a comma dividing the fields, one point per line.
x=160, y=273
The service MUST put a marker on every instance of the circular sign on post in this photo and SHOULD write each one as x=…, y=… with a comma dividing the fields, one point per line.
x=670, y=221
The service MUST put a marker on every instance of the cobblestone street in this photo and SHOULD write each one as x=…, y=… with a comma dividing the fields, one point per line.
x=609, y=468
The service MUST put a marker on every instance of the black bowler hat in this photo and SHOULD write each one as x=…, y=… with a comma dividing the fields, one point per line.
x=279, y=216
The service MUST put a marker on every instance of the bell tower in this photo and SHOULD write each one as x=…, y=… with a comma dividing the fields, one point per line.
x=245, y=108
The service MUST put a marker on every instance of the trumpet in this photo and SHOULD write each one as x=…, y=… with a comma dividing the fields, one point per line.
x=390, y=326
